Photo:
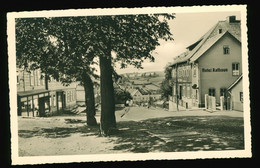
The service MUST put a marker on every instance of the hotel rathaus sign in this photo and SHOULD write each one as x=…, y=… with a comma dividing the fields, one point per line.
x=214, y=69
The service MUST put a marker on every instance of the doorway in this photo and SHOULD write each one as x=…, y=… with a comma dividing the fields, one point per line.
x=180, y=93
x=41, y=107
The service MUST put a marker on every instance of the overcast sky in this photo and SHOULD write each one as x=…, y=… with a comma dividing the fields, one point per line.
x=186, y=28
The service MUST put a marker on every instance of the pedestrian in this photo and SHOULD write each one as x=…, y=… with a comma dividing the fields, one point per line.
x=127, y=106
x=127, y=103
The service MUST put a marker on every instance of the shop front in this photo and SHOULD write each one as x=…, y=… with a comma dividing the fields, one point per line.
x=34, y=103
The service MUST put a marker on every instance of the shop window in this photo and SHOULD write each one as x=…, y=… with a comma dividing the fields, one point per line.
x=226, y=50
x=212, y=92
x=241, y=96
x=235, y=69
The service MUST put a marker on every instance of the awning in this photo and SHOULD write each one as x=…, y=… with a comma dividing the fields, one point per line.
x=32, y=92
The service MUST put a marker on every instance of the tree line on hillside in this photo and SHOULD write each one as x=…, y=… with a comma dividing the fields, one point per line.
x=67, y=48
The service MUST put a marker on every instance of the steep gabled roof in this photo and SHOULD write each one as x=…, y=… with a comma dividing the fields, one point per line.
x=196, y=49
x=207, y=45
x=235, y=82
x=142, y=91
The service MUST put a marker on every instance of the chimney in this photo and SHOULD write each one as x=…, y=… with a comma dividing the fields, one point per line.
x=232, y=19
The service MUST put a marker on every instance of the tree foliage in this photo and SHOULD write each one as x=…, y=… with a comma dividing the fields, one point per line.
x=70, y=44
x=166, y=85
x=60, y=48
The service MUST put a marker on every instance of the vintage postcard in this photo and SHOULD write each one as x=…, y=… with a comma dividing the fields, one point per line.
x=129, y=84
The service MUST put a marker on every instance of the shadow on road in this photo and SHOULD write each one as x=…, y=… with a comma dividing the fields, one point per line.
x=180, y=134
x=159, y=135
x=61, y=132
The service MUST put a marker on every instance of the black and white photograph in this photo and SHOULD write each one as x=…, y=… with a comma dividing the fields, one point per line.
x=128, y=84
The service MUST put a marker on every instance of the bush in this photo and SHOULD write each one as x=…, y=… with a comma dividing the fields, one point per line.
x=121, y=96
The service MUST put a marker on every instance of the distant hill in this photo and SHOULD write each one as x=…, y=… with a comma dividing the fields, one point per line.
x=136, y=78
x=143, y=74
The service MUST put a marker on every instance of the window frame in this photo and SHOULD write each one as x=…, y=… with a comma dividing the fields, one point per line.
x=235, y=69
x=223, y=91
x=241, y=97
x=212, y=90
x=226, y=50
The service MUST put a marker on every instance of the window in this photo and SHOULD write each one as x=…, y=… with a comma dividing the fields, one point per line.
x=180, y=73
x=235, y=69
x=51, y=102
x=223, y=92
x=241, y=96
x=226, y=50
x=32, y=78
x=194, y=72
x=173, y=73
x=219, y=31
x=189, y=91
x=184, y=91
x=211, y=91
x=17, y=77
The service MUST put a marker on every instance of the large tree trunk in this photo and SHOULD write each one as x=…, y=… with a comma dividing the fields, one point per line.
x=46, y=80
x=89, y=100
x=107, y=120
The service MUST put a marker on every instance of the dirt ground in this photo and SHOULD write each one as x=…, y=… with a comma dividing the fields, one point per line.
x=139, y=130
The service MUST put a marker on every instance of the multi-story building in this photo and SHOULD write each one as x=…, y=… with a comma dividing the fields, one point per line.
x=34, y=100
x=209, y=66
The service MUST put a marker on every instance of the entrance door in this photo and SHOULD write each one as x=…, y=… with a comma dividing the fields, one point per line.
x=41, y=107
x=63, y=100
x=180, y=93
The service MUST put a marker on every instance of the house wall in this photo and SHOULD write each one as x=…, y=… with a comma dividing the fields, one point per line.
x=31, y=81
x=196, y=101
x=237, y=104
x=215, y=58
x=138, y=97
x=184, y=87
x=80, y=94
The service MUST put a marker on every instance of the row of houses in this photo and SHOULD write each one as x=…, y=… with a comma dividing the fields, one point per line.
x=210, y=66
x=33, y=99
x=143, y=95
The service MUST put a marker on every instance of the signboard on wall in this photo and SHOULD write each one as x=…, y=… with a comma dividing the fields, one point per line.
x=214, y=70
